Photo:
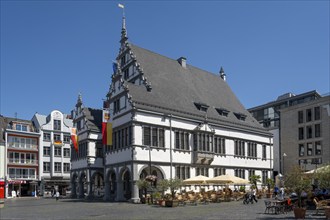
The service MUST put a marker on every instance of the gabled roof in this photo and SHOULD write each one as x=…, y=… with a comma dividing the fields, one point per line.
x=175, y=89
x=42, y=119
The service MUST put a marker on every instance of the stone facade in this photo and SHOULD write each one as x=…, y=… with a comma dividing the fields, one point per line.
x=305, y=134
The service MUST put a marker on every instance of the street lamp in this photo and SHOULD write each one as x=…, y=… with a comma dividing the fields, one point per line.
x=284, y=155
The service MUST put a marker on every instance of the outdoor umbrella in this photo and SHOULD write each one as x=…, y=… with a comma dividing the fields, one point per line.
x=196, y=180
x=317, y=170
x=227, y=179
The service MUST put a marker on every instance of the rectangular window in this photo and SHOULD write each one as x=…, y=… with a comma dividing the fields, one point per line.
x=46, y=167
x=66, y=138
x=146, y=136
x=264, y=176
x=66, y=152
x=46, y=151
x=161, y=138
x=57, y=137
x=317, y=113
x=154, y=137
x=57, y=125
x=66, y=167
x=318, y=148
x=24, y=128
x=301, y=133
x=309, y=131
x=57, y=151
x=300, y=117
x=264, y=152
x=309, y=149
x=46, y=136
x=308, y=115
x=18, y=127
x=57, y=167
x=317, y=130
x=301, y=150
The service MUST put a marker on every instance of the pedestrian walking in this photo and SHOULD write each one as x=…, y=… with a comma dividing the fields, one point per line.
x=57, y=195
x=254, y=195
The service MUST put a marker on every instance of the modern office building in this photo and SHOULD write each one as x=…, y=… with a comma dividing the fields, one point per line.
x=171, y=120
x=305, y=134
x=55, y=151
x=270, y=115
x=21, y=167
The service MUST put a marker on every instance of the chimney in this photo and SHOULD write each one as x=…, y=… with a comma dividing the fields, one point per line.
x=183, y=62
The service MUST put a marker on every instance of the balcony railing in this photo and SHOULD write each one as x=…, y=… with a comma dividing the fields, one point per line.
x=22, y=161
x=23, y=146
x=22, y=176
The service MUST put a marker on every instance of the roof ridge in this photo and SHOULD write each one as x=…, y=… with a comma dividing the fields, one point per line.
x=172, y=59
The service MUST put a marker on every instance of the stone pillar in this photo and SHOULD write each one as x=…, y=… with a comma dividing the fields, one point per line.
x=81, y=190
x=135, y=193
x=73, y=189
x=106, y=190
x=135, y=198
x=120, y=191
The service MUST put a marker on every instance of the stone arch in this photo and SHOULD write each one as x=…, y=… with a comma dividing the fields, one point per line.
x=82, y=184
x=98, y=184
x=124, y=184
x=155, y=170
x=110, y=185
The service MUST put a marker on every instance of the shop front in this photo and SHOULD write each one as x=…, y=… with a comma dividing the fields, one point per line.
x=18, y=188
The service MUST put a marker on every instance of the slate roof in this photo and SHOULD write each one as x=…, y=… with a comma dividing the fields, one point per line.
x=94, y=119
x=4, y=121
x=175, y=90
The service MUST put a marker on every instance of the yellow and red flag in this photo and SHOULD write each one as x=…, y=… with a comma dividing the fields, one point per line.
x=106, y=128
x=74, y=138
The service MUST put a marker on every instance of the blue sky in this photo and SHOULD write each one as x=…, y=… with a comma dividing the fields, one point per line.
x=52, y=50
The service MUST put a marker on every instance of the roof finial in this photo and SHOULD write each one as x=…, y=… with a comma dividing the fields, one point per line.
x=222, y=74
x=79, y=101
x=123, y=29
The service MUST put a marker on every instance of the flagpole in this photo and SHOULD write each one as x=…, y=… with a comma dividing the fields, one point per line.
x=122, y=7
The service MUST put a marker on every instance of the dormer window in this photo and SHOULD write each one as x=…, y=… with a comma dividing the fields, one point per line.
x=222, y=111
x=20, y=127
x=240, y=116
x=201, y=106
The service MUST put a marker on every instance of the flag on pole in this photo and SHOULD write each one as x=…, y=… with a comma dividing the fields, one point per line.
x=106, y=128
x=74, y=138
x=121, y=6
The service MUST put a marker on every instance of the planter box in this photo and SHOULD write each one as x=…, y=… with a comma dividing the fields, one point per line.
x=327, y=212
x=299, y=213
x=171, y=203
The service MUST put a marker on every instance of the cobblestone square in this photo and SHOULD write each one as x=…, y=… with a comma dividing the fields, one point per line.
x=32, y=208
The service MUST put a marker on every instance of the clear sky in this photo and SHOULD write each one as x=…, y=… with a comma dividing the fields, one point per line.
x=53, y=50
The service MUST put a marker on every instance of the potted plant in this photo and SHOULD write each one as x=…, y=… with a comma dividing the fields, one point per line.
x=270, y=185
x=298, y=183
x=254, y=179
x=143, y=186
x=162, y=186
x=172, y=185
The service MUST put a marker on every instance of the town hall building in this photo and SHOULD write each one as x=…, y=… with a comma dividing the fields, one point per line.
x=171, y=120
